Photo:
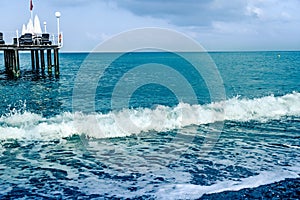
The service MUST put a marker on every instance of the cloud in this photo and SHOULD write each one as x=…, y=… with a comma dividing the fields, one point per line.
x=254, y=11
x=223, y=24
x=217, y=24
x=205, y=12
x=275, y=10
x=189, y=12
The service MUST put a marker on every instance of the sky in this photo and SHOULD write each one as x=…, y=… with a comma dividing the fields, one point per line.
x=218, y=25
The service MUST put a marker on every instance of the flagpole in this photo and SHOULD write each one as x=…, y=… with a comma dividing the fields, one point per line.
x=31, y=10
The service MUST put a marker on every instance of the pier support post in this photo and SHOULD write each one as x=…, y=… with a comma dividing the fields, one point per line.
x=49, y=61
x=56, y=62
x=16, y=64
x=6, y=60
x=37, y=62
x=10, y=61
x=42, y=61
x=32, y=60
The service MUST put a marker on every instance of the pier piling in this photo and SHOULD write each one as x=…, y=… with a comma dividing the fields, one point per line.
x=56, y=62
x=42, y=61
x=37, y=62
x=49, y=61
x=16, y=66
x=12, y=58
x=32, y=60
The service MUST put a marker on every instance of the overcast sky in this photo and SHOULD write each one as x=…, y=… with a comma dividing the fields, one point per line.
x=215, y=24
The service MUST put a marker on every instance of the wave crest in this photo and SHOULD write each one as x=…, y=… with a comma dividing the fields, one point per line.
x=27, y=125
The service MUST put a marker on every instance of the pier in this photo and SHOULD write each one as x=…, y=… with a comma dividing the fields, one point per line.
x=40, y=44
x=38, y=61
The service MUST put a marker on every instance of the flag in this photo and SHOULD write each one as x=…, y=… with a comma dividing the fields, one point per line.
x=31, y=5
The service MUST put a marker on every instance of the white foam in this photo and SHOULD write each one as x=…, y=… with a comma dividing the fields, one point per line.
x=31, y=126
x=126, y=122
x=189, y=191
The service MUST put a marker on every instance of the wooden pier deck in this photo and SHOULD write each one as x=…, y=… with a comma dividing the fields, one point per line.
x=38, y=61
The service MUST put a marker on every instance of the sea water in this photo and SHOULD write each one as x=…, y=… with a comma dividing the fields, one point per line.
x=50, y=150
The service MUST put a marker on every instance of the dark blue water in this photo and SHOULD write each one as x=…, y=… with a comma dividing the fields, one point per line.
x=152, y=140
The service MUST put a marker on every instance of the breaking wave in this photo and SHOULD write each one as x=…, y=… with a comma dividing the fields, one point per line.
x=27, y=125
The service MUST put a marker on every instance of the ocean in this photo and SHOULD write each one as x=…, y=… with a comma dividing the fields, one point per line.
x=139, y=132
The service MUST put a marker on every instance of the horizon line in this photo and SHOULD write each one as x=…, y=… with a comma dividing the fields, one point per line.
x=208, y=51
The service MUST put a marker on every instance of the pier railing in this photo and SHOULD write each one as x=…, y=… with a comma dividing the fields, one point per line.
x=10, y=36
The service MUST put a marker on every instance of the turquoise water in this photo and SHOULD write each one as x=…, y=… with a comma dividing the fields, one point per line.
x=151, y=146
